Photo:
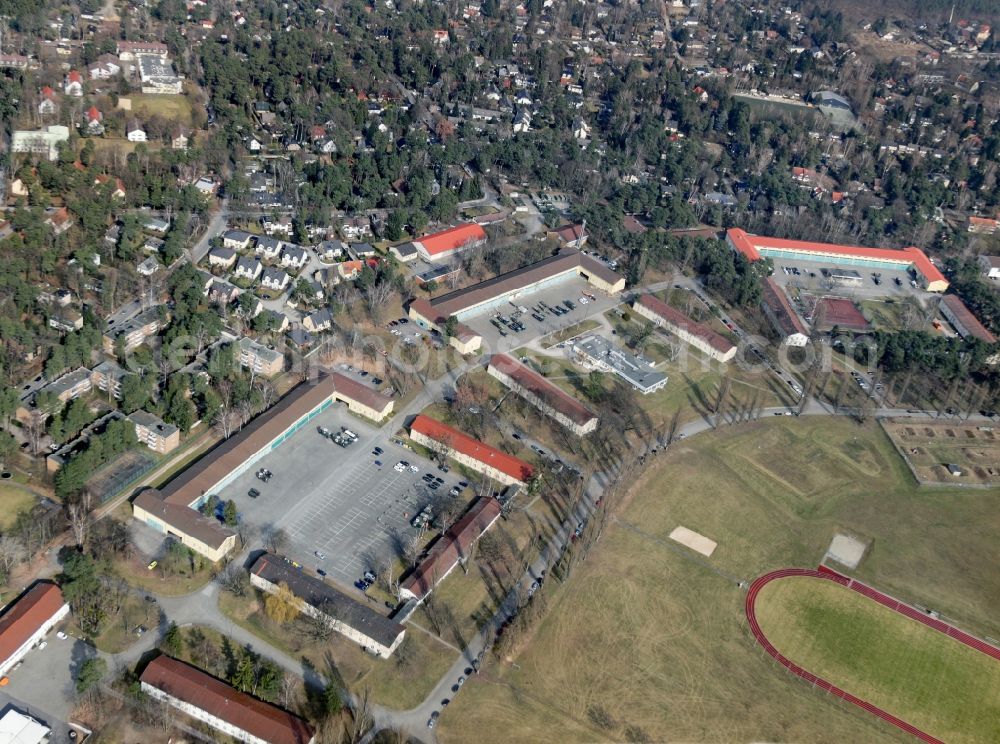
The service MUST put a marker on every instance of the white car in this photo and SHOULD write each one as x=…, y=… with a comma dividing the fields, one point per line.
x=583, y=301
x=398, y=467
x=414, y=469
x=42, y=645
x=61, y=636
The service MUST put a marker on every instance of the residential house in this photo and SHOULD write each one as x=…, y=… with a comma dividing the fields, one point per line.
x=104, y=67
x=222, y=257
x=179, y=138
x=222, y=293
x=522, y=122
x=570, y=236
x=990, y=266
x=153, y=245
x=361, y=250
x=73, y=84
x=148, y=267
x=319, y=321
x=581, y=130
x=330, y=250
x=60, y=220
x=294, y=257
x=267, y=247
x=280, y=226
x=118, y=190
x=134, y=131
x=236, y=240
x=47, y=102
x=274, y=279
x=156, y=225
x=248, y=268
x=353, y=228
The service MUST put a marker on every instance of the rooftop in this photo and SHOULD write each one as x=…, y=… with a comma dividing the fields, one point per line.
x=260, y=350
x=191, y=685
x=551, y=394
x=452, y=546
x=466, y=445
x=633, y=367
x=452, y=238
x=971, y=323
x=784, y=315
x=153, y=423
x=675, y=317
x=328, y=600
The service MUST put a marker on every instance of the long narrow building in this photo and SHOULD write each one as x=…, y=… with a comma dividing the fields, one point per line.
x=701, y=337
x=27, y=620
x=224, y=708
x=544, y=395
x=470, y=452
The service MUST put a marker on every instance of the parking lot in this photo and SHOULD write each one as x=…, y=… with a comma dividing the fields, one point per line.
x=505, y=338
x=894, y=284
x=343, y=513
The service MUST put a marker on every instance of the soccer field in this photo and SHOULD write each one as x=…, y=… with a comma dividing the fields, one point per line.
x=932, y=681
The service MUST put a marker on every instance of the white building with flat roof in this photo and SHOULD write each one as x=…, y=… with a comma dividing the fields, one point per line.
x=40, y=141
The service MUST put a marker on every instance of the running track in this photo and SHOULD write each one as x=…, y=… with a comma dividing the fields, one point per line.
x=827, y=574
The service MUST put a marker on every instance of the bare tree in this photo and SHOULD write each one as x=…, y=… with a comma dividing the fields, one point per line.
x=34, y=429
x=78, y=513
x=10, y=556
x=377, y=298
x=226, y=420
x=234, y=580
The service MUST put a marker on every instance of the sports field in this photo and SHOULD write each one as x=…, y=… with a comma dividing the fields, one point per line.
x=936, y=683
x=649, y=639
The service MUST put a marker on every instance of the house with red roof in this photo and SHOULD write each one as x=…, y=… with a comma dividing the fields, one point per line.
x=470, y=452
x=543, y=394
x=441, y=245
x=93, y=124
x=73, y=84
x=47, y=101
x=758, y=247
x=119, y=186
x=712, y=344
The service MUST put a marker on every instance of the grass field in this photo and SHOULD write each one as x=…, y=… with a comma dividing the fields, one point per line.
x=13, y=499
x=644, y=640
x=174, y=108
x=934, y=682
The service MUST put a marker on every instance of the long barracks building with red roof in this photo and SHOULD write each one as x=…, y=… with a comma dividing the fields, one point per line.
x=27, y=620
x=224, y=708
x=441, y=245
x=470, y=452
x=757, y=247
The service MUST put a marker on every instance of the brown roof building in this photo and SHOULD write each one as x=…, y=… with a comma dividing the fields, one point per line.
x=703, y=338
x=450, y=548
x=221, y=706
x=546, y=396
x=172, y=509
x=27, y=619
x=963, y=320
x=782, y=315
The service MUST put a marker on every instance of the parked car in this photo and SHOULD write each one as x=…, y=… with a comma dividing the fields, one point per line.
x=253, y=493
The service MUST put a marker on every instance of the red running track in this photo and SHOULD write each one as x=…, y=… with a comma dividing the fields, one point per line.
x=827, y=574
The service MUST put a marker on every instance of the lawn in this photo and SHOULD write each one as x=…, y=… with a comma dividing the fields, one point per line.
x=174, y=108
x=13, y=499
x=934, y=682
x=647, y=640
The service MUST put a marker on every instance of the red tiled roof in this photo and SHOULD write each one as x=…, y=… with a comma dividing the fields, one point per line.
x=675, y=317
x=748, y=245
x=781, y=309
x=452, y=546
x=25, y=616
x=74, y=76
x=463, y=443
x=551, y=394
x=570, y=233
x=47, y=92
x=452, y=238
x=193, y=686
x=93, y=114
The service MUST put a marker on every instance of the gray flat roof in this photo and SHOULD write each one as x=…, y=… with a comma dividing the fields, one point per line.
x=635, y=368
